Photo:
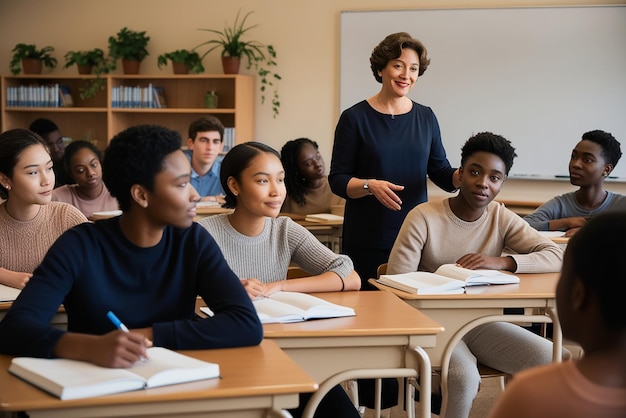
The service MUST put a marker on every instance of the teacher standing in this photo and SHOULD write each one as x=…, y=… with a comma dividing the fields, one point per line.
x=383, y=150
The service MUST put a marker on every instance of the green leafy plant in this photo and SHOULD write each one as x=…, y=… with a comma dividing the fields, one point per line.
x=96, y=59
x=24, y=51
x=183, y=56
x=261, y=57
x=129, y=45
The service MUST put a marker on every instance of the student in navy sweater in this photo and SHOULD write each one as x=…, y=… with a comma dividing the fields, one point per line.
x=147, y=266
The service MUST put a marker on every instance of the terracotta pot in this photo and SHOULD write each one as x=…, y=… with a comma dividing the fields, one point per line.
x=32, y=65
x=130, y=66
x=180, y=68
x=84, y=69
x=231, y=65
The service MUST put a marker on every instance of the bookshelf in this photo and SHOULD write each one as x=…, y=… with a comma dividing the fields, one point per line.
x=95, y=119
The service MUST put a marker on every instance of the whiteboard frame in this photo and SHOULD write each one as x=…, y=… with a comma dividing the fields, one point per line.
x=550, y=126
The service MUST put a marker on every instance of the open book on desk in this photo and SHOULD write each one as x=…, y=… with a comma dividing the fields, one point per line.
x=447, y=279
x=8, y=294
x=296, y=307
x=71, y=379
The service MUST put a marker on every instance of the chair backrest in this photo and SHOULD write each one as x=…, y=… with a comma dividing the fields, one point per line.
x=382, y=269
x=294, y=272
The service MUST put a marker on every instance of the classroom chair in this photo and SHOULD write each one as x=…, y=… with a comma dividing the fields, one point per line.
x=485, y=372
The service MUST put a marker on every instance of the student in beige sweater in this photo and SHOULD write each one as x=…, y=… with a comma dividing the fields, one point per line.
x=472, y=231
x=29, y=222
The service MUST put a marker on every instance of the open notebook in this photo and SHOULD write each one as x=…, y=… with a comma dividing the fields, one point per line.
x=448, y=278
x=71, y=379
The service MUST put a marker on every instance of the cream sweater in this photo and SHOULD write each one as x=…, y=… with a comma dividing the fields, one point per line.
x=23, y=244
x=432, y=235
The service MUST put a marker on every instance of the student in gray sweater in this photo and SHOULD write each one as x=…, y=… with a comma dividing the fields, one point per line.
x=593, y=159
x=259, y=247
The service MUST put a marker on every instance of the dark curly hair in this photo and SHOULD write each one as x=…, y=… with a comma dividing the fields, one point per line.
x=492, y=143
x=235, y=161
x=296, y=183
x=391, y=48
x=12, y=143
x=43, y=127
x=593, y=254
x=611, y=150
x=73, y=148
x=135, y=156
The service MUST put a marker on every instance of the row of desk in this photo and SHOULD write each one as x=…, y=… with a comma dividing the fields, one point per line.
x=390, y=336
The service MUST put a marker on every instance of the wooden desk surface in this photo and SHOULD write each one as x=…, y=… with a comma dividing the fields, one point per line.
x=385, y=339
x=377, y=314
x=248, y=372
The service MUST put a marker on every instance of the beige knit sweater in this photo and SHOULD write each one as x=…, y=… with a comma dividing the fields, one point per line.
x=24, y=244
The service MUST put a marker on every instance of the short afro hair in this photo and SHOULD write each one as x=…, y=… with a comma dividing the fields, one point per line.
x=611, y=151
x=492, y=143
x=135, y=156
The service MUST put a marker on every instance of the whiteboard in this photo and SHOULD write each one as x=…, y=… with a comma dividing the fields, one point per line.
x=540, y=77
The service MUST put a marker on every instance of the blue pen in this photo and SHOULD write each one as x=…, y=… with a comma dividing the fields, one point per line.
x=116, y=321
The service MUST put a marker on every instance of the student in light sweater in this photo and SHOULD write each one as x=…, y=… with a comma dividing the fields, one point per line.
x=472, y=230
x=593, y=159
x=148, y=266
x=259, y=246
x=29, y=222
x=83, y=162
x=589, y=299
x=252, y=176
x=308, y=190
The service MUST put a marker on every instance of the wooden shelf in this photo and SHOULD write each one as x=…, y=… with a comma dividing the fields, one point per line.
x=96, y=120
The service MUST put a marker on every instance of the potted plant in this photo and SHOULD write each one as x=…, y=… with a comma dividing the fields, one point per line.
x=87, y=62
x=31, y=60
x=130, y=46
x=183, y=61
x=261, y=57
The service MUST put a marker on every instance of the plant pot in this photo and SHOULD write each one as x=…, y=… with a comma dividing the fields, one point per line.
x=180, y=68
x=130, y=66
x=84, y=68
x=32, y=65
x=231, y=65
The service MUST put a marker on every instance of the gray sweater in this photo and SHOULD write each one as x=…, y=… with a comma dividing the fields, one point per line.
x=267, y=256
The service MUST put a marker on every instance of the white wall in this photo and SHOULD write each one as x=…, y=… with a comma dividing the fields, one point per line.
x=305, y=35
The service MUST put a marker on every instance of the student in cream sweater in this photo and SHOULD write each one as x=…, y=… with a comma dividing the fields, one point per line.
x=472, y=231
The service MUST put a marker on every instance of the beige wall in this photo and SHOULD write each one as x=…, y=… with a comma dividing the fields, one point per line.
x=304, y=33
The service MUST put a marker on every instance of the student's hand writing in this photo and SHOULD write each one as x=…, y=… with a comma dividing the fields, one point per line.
x=119, y=349
x=15, y=279
x=480, y=261
x=384, y=192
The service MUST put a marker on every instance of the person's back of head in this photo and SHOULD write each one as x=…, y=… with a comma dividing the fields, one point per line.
x=207, y=123
x=595, y=257
x=611, y=150
x=235, y=161
x=491, y=143
x=135, y=156
x=43, y=127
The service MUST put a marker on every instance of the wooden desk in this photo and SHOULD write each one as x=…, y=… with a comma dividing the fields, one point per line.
x=204, y=211
x=254, y=381
x=374, y=343
x=481, y=304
